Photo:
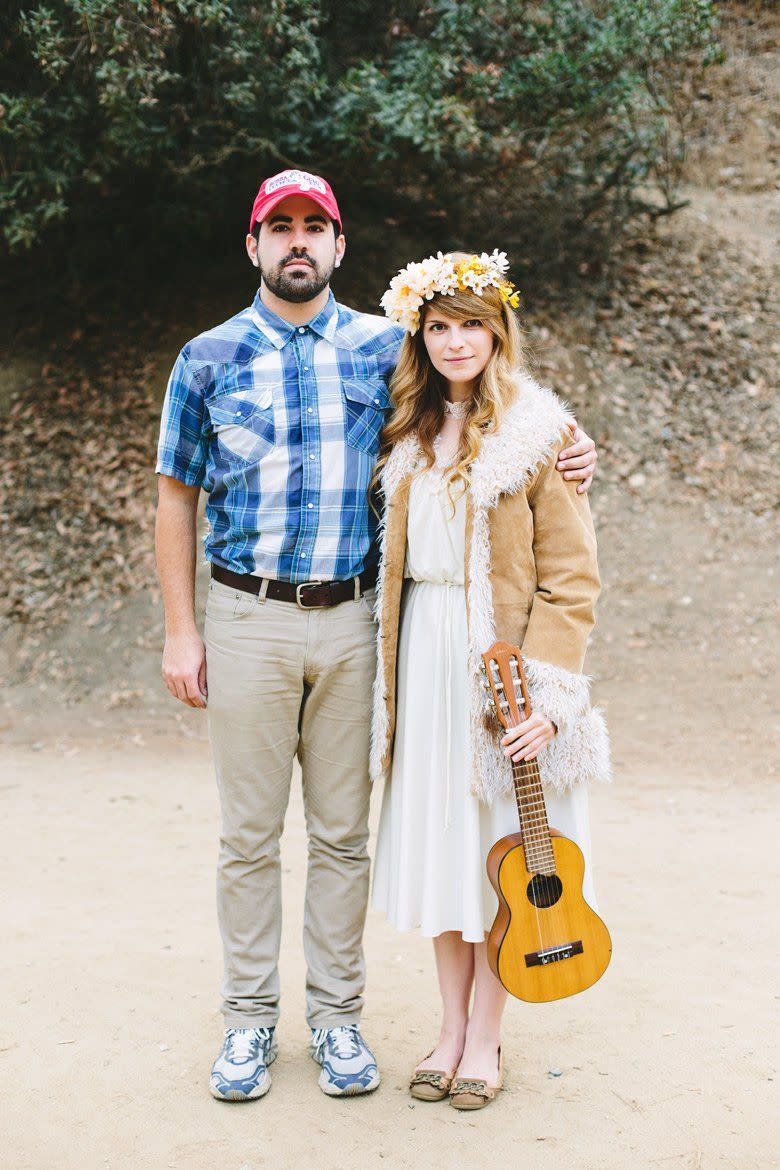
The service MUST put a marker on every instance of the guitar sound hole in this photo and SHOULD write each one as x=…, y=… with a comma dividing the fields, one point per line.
x=544, y=890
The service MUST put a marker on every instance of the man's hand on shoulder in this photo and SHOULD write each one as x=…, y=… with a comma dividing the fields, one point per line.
x=578, y=461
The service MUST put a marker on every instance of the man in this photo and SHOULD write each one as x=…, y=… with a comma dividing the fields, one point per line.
x=277, y=414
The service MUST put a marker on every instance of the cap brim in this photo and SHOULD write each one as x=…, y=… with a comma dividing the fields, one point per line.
x=280, y=196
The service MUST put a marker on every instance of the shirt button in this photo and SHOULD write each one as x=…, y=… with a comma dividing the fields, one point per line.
x=302, y=329
x=306, y=367
x=309, y=410
x=312, y=456
x=376, y=402
x=303, y=555
x=310, y=505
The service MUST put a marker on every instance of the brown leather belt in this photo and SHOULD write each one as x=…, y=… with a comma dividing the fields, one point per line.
x=307, y=595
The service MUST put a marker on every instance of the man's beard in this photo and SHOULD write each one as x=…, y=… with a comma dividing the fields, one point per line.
x=298, y=284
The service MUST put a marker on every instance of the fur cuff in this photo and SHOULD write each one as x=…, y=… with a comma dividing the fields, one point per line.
x=578, y=755
x=579, y=752
x=561, y=694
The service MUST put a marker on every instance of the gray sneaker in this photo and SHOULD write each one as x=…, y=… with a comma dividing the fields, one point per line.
x=348, y=1064
x=240, y=1072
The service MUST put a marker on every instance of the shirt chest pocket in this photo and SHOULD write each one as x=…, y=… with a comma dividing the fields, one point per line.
x=243, y=426
x=366, y=403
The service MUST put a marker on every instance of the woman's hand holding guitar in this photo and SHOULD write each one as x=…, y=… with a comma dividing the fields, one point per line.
x=525, y=741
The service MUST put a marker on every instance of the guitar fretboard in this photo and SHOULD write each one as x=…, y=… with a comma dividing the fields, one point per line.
x=533, y=817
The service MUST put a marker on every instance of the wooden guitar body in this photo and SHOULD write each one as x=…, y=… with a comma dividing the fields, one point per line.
x=546, y=942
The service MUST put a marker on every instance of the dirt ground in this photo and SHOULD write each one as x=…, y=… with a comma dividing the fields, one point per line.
x=111, y=966
x=110, y=1022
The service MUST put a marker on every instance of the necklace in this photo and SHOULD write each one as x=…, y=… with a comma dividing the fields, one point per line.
x=457, y=409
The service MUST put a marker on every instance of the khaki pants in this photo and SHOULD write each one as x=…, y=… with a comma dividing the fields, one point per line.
x=283, y=681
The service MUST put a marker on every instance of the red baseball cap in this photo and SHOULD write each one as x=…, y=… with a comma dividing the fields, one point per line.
x=274, y=190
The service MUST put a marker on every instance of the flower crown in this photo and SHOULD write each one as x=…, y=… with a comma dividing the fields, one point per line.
x=418, y=282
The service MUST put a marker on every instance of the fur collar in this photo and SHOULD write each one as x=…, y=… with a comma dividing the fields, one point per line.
x=509, y=457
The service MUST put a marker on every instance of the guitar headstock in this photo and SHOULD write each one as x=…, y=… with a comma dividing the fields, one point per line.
x=504, y=681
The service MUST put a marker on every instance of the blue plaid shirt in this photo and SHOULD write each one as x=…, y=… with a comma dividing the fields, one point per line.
x=280, y=424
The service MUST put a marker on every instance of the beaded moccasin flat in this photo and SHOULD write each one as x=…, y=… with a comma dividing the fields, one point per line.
x=466, y=1094
x=430, y=1084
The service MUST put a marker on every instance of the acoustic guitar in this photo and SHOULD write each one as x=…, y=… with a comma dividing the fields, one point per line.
x=546, y=942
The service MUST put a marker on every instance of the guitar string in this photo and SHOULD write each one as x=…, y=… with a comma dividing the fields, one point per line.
x=518, y=776
x=518, y=801
x=539, y=930
x=544, y=851
x=551, y=886
x=545, y=854
x=529, y=772
x=536, y=815
x=539, y=848
x=548, y=880
x=518, y=789
x=532, y=787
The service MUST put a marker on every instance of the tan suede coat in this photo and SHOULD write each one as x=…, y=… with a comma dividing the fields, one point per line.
x=531, y=580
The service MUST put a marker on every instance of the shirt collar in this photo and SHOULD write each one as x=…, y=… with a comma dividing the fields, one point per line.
x=278, y=331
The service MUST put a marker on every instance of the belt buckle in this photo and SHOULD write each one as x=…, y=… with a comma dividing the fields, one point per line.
x=305, y=585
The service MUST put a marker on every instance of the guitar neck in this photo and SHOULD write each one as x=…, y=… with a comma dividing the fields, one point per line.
x=532, y=811
x=505, y=682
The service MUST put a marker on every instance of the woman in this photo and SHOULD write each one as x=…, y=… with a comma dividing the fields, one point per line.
x=482, y=539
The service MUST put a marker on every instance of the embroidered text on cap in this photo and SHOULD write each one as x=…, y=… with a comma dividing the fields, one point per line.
x=301, y=179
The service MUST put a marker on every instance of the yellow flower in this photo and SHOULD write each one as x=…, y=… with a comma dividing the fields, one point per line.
x=509, y=294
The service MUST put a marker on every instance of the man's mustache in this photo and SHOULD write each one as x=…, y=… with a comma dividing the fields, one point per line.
x=299, y=260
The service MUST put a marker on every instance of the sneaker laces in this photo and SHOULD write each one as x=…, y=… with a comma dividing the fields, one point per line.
x=243, y=1044
x=345, y=1042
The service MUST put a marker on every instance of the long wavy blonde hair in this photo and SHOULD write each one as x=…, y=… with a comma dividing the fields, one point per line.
x=418, y=390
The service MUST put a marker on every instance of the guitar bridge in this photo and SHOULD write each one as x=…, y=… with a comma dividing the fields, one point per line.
x=553, y=954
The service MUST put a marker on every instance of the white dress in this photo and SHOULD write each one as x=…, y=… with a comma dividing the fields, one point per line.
x=434, y=835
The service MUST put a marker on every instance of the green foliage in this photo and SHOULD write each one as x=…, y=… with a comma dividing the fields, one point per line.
x=556, y=114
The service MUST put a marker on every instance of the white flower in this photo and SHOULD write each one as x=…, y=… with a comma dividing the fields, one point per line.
x=497, y=259
x=421, y=280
